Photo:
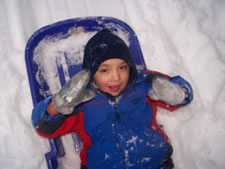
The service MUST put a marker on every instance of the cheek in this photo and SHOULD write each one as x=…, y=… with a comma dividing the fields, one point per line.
x=101, y=85
x=100, y=82
x=126, y=77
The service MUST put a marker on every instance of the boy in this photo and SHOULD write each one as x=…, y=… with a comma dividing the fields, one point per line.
x=112, y=108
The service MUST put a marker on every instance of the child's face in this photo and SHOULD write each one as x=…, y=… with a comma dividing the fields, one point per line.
x=112, y=76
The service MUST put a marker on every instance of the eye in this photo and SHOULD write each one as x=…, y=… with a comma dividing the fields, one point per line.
x=124, y=67
x=104, y=70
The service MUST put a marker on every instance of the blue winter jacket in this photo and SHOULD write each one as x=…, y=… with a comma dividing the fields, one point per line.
x=118, y=133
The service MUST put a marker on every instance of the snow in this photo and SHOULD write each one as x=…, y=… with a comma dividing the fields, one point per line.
x=52, y=50
x=185, y=37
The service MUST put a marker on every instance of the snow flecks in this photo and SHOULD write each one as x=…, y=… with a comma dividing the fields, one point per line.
x=161, y=144
x=131, y=148
x=140, y=67
x=153, y=127
x=127, y=162
x=112, y=103
x=133, y=143
x=146, y=159
x=141, y=140
x=132, y=140
x=149, y=144
x=107, y=156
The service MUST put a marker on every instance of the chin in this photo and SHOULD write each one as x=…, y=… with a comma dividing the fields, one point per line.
x=115, y=94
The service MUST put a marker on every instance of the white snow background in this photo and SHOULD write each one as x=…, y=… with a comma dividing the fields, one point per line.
x=185, y=37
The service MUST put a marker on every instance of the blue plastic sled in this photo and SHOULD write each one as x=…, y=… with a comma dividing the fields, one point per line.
x=38, y=83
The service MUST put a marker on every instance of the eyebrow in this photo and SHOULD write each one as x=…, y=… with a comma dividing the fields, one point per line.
x=104, y=64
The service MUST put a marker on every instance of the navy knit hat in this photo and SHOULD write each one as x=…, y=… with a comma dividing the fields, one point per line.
x=105, y=45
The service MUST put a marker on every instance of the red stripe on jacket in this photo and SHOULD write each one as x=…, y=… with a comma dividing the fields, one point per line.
x=74, y=123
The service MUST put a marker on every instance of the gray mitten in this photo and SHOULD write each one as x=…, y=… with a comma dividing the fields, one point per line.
x=73, y=93
x=164, y=90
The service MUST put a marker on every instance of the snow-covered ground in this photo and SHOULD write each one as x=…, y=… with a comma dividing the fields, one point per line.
x=185, y=37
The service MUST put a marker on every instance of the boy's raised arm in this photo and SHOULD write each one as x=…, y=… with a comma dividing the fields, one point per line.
x=50, y=114
x=73, y=93
x=174, y=91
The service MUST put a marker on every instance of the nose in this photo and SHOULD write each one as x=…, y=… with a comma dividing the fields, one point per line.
x=115, y=75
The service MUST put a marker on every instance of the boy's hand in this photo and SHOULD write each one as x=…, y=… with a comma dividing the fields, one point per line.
x=73, y=93
x=169, y=92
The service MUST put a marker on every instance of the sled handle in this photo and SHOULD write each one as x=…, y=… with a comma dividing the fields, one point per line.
x=76, y=141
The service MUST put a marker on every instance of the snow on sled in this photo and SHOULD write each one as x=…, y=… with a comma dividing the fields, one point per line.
x=54, y=54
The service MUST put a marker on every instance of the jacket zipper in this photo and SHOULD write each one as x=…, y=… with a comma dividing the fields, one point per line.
x=117, y=116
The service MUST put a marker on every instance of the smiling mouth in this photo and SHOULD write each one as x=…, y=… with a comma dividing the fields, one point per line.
x=114, y=88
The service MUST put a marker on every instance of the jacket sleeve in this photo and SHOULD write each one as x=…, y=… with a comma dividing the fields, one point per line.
x=54, y=126
x=150, y=75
